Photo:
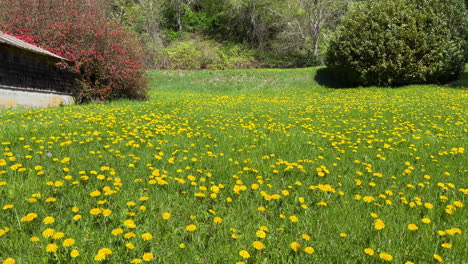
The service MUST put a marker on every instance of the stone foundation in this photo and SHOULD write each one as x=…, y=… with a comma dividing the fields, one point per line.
x=14, y=97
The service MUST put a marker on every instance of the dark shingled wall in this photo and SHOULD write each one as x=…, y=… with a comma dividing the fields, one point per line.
x=23, y=69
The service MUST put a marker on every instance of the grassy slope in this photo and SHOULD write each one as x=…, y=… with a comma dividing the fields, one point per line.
x=167, y=85
x=232, y=81
x=240, y=125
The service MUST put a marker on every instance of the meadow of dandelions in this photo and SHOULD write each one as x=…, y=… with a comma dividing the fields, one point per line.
x=290, y=176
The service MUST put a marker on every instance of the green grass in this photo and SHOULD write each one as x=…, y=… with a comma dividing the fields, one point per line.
x=270, y=144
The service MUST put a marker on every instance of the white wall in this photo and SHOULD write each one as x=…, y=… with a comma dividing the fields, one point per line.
x=12, y=98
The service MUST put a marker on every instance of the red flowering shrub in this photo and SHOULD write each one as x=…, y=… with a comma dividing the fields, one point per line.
x=108, y=59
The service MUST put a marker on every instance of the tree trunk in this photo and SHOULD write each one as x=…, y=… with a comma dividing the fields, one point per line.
x=253, y=23
x=317, y=26
x=179, y=14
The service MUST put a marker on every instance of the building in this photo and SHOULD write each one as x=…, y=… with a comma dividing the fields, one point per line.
x=29, y=75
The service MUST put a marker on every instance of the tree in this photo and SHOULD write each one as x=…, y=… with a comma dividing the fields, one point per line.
x=320, y=15
x=175, y=11
x=297, y=30
x=309, y=21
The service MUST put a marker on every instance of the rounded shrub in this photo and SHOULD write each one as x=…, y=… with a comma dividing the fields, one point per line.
x=399, y=42
x=196, y=53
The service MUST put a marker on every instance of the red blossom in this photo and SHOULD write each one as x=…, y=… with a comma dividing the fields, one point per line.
x=108, y=58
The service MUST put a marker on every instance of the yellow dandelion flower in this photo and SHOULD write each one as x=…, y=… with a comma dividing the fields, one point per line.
x=95, y=193
x=369, y=251
x=343, y=235
x=50, y=200
x=129, y=223
x=100, y=257
x=48, y=232
x=106, y=212
x=51, y=248
x=137, y=260
x=295, y=246
x=428, y=205
x=322, y=203
x=258, y=245
x=413, y=227
x=117, y=231
x=147, y=236
x=385, y=256
x=191, y=228
x=29, y=217
x=129, y=235
x=33, y=215
x=58, y=235
x=74, y=253
x=148, y=256
x=244, y=253
x=68, y=242
x=9, y=261
x=368, y=199
x=379, y=224
x=438, y=258
x=77, y=217
x=453, y=231
x=446, y=245
x=166, y=216
x=309, y=250
x=95, y=211
x=293, y=218
x=261, y=234
x=181, y=245
x=105, y=251
x=217, y=220
x=34, y=239
x=8, y=206
x=426, y=220
x=130, y=246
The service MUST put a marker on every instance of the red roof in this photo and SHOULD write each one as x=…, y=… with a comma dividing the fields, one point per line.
x=12, y=41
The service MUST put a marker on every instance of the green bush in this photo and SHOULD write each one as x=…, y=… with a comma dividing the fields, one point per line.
x=398, y=42
x=198, y=53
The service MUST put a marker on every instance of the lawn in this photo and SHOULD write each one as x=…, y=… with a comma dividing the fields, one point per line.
x=253, y=166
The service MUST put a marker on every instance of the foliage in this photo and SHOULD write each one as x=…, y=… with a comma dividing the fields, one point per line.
x=218, y=160
x=307, y=27
x=286, y=33
x=397, y=42
x=197, y=53
x=107, y=57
